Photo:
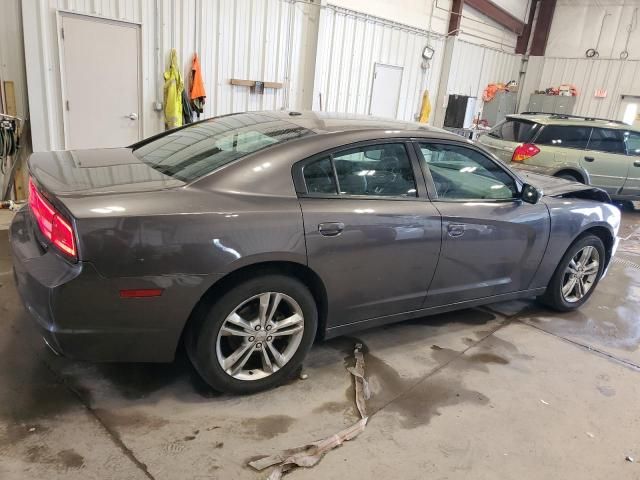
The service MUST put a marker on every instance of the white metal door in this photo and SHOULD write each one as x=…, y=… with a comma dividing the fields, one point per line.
x=385, y=92
x=101, y=82
x=630, y=110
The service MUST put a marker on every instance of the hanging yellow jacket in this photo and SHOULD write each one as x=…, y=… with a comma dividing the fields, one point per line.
x=425, y=110
x=173, y=87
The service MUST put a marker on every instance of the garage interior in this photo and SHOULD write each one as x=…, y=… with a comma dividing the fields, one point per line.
x=508, y=390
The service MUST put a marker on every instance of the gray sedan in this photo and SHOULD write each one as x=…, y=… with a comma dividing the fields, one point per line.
x=248, y=236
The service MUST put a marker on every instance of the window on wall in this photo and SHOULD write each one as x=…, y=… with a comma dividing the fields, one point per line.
x=461, y=173
x=382, y=170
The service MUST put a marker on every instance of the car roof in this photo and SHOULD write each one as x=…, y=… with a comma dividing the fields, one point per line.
x=331, y=122
x=572, y=120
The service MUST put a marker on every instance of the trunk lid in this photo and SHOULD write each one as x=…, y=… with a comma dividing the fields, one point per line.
x=89, y=173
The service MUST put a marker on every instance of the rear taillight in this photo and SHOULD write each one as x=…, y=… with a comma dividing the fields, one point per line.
x=523, y=152
x=53, y=226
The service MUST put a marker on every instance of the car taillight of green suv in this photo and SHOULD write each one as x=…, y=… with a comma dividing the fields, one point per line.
x=602, y=153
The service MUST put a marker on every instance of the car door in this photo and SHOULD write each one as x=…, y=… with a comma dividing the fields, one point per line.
x=492, y=241
x=631, y=186
x=371, y=233
x=562, y=147
x=605, y=159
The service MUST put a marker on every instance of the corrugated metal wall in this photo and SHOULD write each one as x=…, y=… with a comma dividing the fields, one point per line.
x=475, y=66
x=617, y=77
x=244, y=39
x=349, y=45
x=257, y=40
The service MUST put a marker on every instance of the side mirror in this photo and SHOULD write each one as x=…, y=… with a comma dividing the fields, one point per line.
x=530, y=194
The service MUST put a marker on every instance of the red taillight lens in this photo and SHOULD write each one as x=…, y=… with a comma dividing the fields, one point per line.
x=52, y=224
x=523, y=152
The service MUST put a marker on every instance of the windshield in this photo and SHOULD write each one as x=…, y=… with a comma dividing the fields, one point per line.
x=191, y=152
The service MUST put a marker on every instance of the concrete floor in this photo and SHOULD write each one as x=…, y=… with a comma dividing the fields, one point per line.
x=508, y=391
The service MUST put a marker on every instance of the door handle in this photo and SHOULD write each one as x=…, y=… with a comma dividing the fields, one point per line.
x=132, y=116
x=589, y=159
x=455, y=229
x=331, y=229
x=636, y=163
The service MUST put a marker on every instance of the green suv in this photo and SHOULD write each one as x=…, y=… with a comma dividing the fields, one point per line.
x=602, y=153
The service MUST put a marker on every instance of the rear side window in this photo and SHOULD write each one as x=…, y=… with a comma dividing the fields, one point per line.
x=318, y=176
x=515, y=130
x=632, y=140
x=382, y=170
x=610, y=141
x=564, y=136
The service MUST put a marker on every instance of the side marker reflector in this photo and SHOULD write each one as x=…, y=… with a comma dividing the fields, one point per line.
x=141, y=293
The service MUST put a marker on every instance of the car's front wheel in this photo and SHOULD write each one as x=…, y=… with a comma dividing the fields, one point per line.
x=255, y=336
x=577, y=274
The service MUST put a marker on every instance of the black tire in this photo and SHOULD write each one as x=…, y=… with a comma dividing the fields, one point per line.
x=553, y=296
x=201, y=338
x=573, y=177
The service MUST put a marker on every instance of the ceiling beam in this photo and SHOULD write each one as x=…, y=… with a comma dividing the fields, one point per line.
x=498, y=15
x=523, y=39
x=454, y=17
x=543, y=26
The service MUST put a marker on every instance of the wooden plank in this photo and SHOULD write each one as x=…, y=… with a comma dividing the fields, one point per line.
x=10, y=98
x=20, y=176
x=252, y=83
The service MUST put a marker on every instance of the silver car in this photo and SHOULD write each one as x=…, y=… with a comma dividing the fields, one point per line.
x=248, y=236
x=602, y=153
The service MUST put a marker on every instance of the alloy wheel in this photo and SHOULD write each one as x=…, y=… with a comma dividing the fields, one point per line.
x=260, y=336
x=581, y=274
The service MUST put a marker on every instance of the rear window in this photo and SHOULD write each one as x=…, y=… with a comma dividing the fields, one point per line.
x=611, y=141
x=564, y=136
x=196, y=150
x=512, y=130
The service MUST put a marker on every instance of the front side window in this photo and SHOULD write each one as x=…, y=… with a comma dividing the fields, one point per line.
x=604, y=140
x=564, y=136
x=460, y=173
x=632, y=140
x=375, y=170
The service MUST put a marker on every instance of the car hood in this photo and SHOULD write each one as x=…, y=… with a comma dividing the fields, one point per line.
x=97, y=172
x=559, y=187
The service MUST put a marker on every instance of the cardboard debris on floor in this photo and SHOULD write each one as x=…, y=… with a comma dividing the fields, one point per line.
x=309, y=455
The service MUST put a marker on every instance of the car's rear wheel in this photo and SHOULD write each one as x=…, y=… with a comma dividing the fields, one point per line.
x=255, y=336
x=577, y=274
x=573, y=177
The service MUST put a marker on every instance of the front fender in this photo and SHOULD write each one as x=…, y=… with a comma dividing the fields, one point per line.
x=570, y=218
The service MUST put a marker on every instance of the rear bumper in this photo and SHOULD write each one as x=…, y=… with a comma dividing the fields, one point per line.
x=79, y=312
